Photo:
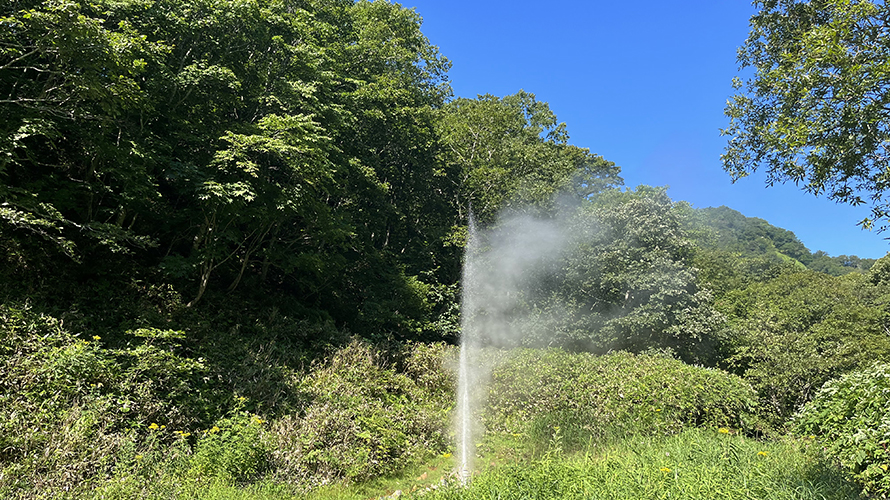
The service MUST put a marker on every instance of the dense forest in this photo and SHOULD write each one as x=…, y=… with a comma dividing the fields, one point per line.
x=232, y=236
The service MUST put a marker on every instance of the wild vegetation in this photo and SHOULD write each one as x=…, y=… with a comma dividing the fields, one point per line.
x=231, y=242
x=814, y=109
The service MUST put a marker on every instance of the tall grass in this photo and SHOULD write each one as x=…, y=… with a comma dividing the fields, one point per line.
x=695, y=464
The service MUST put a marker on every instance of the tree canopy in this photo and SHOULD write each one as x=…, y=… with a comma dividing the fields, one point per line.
x=305, y=148
x=816, y=111
x=511, y=152
x=791, y=334
x=287, y=143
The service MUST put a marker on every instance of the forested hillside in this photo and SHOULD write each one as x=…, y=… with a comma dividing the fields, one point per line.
x=725, y=229
x=232, y=238
x=301, y=149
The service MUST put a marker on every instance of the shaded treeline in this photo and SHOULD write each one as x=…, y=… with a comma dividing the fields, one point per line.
x=294, y=147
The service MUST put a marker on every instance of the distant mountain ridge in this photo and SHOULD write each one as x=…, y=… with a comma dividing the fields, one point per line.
x=726, y=229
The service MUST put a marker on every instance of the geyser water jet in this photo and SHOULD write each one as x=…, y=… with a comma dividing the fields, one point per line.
x=468, y=348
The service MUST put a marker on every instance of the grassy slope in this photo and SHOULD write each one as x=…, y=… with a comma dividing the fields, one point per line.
x=695, y=464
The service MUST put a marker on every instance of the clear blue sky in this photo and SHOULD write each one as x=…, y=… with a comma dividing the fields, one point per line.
x=641, y=83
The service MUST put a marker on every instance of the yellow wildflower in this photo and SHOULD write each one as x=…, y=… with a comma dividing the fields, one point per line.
x=665, y=469
x=153, y=426
x=214, y=430
x=762, y=453
x=884, y=466
x=446, y=455
x=96, y=337
x=138, y=457
x=658, y=409
x=163, y=427
x=258, y=419
x=723, y=430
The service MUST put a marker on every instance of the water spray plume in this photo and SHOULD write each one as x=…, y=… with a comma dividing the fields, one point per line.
x=467, y=348
x=500, y=264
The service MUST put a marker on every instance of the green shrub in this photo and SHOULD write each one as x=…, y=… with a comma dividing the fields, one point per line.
x=77, y=410
x=591, y=396
x=148, y=465
x=850, y=417
x=58, y=454
x=53, y=404
x=70, y=406
x=232, y=450
x=264, y=360
x=433, y=368
x=365, y=419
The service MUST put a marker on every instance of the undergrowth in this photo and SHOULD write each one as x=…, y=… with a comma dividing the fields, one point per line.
x=125, y=412
x=850, y=418
x=592, y=397
x=246, y=412
x=695, y=464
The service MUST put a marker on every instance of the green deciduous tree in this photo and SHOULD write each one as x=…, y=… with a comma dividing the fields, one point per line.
x=396, y=194
x=849, y=418
x=303, y=148
x=620, y=280
x=800, y=329
x=635, y=277
x=286, y=143
x=239, y=136
x=71, y=174
x=817, y=109
x=510, y=152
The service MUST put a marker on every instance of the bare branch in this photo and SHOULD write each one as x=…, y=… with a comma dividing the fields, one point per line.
x=17, y=59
